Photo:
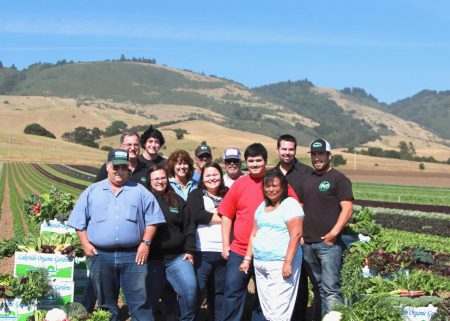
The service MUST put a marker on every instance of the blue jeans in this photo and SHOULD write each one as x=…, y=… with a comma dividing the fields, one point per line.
x=109, y=271
x=301, y=303
x=236, y=291
x=181, y=276
x=211, y=269
x=325, y=262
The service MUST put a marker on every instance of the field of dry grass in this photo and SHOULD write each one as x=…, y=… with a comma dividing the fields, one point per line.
x=60, y=115
x=28, y=148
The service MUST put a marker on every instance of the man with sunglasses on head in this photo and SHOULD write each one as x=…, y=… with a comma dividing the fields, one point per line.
x=131, y=142
x=116, y=220
x=233, y=162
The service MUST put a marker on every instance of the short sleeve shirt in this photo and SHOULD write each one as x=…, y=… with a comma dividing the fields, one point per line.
x=115, y=220
x=239, y=205
x=321, y=196
x=272, y=239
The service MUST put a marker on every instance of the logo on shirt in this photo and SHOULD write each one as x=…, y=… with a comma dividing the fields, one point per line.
x=173, y=210
x=324, y=186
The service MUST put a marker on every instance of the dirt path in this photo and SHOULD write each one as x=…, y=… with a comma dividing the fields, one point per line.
x=6, y=223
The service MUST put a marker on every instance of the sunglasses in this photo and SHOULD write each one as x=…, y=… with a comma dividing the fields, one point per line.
x=204, y=157
x=232, y=161
x=122, y=167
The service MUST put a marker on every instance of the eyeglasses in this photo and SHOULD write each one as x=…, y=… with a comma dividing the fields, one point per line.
x=232, y=161
x=159, y=179
x=122, y=167
x=131, y=145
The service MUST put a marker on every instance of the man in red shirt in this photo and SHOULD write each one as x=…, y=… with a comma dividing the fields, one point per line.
x=238, y=210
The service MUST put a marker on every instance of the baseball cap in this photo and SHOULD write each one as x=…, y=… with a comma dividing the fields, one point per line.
x=320, y=145
x=202, y=149
x=118, y=157
x=231, y=153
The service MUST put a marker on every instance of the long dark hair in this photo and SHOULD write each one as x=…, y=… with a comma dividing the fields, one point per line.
x=173, y=159
x=269, y=177
x=168, y=195
x=222, y=188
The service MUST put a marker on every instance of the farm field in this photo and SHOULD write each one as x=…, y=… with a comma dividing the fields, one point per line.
x=402, y=193
x=394, y=231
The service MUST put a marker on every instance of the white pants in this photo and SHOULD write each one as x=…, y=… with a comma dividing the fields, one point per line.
x=276, y=294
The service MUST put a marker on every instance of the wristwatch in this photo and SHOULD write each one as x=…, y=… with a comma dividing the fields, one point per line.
x=147, y=242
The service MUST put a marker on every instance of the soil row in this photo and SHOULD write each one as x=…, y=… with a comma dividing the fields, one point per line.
x=405, y=206
x=58, y=179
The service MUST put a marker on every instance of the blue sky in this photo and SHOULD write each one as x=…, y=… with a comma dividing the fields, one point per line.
x=391, y=48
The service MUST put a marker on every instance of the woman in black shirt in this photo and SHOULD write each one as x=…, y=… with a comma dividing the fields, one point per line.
x=171, y=251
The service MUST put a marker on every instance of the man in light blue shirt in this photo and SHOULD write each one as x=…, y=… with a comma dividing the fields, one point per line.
x=116, y=219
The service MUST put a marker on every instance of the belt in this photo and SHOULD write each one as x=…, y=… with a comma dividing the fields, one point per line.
x=117, y=249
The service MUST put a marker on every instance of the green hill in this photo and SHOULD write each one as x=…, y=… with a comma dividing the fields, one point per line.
x=335, y=124
x=272, y=110
x=429, y=108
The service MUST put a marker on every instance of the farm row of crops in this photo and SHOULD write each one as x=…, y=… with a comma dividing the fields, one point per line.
x=25, y=179
x=402, y=194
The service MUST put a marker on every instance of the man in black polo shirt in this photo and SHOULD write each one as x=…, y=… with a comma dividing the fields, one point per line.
x=327, y=199
x=130, y=141
x=295, y=172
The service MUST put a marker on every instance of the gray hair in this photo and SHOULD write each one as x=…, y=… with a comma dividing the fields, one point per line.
x=129, y=133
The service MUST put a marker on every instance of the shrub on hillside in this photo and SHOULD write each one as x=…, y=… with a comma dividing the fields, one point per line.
x=338, y=159
x=36, y=129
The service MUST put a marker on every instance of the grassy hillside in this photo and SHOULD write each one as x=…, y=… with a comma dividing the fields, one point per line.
x=337, y=125
x=428, y=108
x=218, y=138
x=61, y=115
x=67, y=95
x=29, y=148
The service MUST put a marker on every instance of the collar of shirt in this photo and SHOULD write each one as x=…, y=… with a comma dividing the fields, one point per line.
x=106, y=185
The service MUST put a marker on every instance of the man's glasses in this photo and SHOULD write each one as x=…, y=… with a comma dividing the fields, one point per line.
x=122, y=167
x=159, y=179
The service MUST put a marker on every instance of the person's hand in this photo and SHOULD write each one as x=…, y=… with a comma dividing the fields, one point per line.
x=329, y=238
x=225, y=251
x=89, y=249
x=286, y=270
x=142, y=254
x=302, y=241
x=189, y=257
x=245, y=265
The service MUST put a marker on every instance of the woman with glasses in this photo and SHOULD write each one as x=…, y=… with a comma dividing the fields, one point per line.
x=171, y=251
x=180, y=168
x=274, y=245
x=210, y=267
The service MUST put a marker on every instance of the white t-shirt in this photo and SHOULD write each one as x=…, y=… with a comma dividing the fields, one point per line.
x=208, y=237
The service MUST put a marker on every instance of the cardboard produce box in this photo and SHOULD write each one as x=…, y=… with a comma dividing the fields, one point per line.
x=61, y=294
x=14, y=310
x=59, y=267
x=56, y=227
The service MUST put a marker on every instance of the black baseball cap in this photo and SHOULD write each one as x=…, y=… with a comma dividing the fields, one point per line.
x=202, y=149
x=320, y=145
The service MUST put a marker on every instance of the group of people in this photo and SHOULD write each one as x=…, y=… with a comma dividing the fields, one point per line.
x=172, y=233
